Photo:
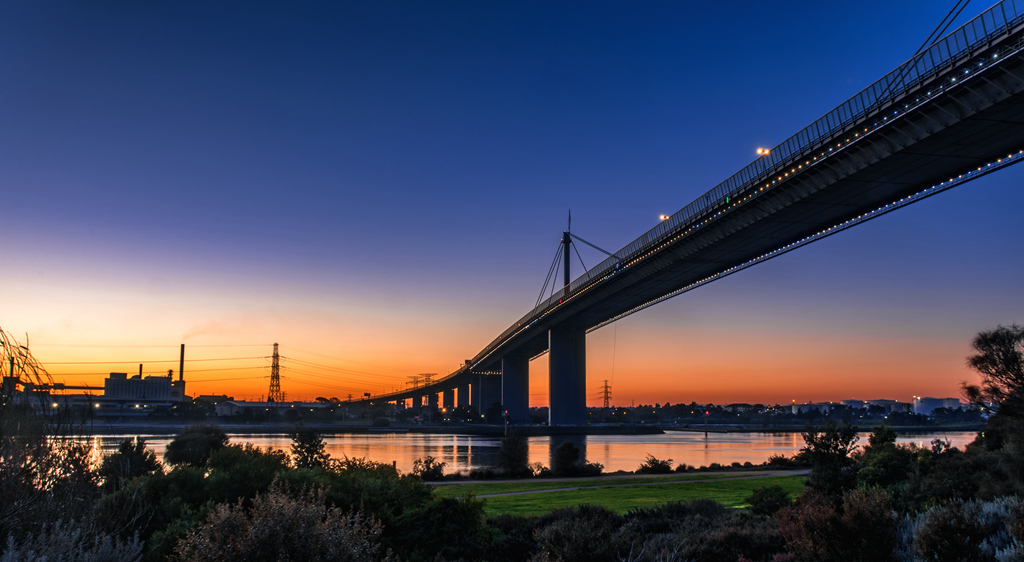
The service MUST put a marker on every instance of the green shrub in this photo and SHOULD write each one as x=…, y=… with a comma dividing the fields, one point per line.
x=655, y=465
x=194, y=445
x=61, y=541
x=281, y=527
x=767, y=500
x=969, y=531
x=862, y=526
x=131, y=460
x=697, y=530
x=429, y=469
x=444, y=529
x=581, y=534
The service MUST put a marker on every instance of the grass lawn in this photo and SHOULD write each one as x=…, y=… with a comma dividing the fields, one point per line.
x=481, y=488
x=729, y=492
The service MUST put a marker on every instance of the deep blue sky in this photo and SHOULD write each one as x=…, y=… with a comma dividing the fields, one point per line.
x=377, y=180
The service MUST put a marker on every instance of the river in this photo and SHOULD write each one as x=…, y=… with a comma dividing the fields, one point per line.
x=615, y=452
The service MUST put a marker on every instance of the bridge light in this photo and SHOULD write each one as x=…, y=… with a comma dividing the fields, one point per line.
x=663, y=217
x=763, y=151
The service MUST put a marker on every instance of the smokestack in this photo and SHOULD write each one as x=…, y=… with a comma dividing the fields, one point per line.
x=181, y=364
x=140, y=370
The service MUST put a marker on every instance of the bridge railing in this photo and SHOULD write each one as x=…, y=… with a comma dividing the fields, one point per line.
x=880, y=100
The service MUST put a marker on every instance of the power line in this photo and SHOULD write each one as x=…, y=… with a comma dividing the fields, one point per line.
x=156, y=361
x=143, y=346
x=190, y=371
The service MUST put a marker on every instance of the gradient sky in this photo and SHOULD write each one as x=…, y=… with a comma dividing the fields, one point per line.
x=380, y=187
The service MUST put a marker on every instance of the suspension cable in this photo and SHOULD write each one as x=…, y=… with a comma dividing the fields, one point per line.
x=551, y=271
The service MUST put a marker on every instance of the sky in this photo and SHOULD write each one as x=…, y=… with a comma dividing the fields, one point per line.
x=380, y=188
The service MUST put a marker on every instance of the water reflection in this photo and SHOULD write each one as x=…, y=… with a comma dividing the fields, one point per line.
x=616, y=452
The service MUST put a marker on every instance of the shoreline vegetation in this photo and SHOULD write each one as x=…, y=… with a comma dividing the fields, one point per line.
x=211, y=499
x=173, y=427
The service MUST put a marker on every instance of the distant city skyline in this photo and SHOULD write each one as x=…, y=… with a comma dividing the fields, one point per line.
x=380, y=189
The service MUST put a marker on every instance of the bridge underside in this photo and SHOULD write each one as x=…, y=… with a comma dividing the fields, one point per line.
x=942, y=139
x=962, y=118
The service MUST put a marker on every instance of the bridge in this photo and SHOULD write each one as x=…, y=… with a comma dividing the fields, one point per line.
x=952, y=113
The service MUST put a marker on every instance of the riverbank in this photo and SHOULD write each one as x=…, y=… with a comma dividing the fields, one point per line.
x=105, y=427
x=171, y=428
x=801, y=428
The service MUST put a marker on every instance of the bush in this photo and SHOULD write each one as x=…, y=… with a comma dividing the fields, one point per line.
x=683, y=467
x=655, y=465
x=485, y=473
x=280, y=527
x=862, y=526
x=242, y=471
x=767, y=500
x=61, y=541
x=429, y=469
x=194, y=444
x=444, y=529
x=968, y=531
x=580, y=534
x=514, y=538
x=697, y=530
x=381, y=422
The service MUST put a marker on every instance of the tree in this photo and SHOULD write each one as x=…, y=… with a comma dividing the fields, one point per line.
x=885, y=463
x=514, y=455
x=828, y=449
x=563, y=462
x=308, y=449
x=194, y=444
x=429, y=469
x=999, y=358
x=131, y=460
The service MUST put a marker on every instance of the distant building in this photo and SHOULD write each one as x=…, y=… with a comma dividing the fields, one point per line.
x=162, y=388
x=926, y=406
x=237, y=407
x=213, y=398
x=823, y=407
x=891, y=406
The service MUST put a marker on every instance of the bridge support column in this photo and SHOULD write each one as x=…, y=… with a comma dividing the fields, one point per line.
x=567, y=376
x=486, y=391
x=448, y=399
x=463, y=395
x=515, y=388
x=432, y=400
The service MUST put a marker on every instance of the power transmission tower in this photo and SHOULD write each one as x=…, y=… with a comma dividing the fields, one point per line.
x=275, y=394
x=606, y=392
